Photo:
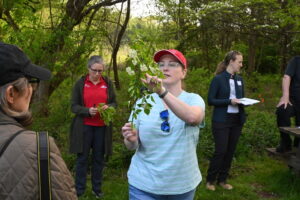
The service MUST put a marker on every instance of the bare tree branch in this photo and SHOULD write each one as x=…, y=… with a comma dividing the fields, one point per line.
x=101, y=4
x=117, y=46
x=73, y=60
x=113, y=22
x=51, y=16
x=11, y=21
x=113, y=40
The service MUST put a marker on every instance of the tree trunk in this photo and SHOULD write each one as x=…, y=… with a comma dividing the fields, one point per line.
x=251, y=52
x=181, y=26
x=11, y=21
x=283, y=52
x=284, y=40
x=75, y=13
x=117, y=46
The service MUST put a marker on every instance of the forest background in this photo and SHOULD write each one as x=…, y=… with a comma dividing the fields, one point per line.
x=61, y=34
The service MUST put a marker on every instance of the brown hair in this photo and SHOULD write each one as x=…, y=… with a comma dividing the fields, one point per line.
x=20, y=85
x=231, y=55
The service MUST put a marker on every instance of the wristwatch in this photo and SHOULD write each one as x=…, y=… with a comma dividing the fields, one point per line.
x=162, y=95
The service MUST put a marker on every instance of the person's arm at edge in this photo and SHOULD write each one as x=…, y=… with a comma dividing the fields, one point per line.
x=285, y=99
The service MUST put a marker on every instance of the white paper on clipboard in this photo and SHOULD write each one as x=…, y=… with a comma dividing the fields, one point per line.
x=248, y=101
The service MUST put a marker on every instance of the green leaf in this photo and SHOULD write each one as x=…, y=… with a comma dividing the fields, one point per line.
x=147, y=111
x=106, y=115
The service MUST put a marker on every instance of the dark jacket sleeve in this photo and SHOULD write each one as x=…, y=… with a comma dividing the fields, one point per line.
x=215, y=91
x=77, y=100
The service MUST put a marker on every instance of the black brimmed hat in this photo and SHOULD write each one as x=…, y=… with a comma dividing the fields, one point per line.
x=15, y=64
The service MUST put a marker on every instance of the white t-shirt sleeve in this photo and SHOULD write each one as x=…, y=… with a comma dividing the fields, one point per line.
x=196, y=100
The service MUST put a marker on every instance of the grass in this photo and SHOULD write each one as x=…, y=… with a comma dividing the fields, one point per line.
x=115, y=186
x=259, y=177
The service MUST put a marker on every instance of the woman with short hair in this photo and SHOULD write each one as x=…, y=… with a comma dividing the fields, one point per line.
x=88, y=129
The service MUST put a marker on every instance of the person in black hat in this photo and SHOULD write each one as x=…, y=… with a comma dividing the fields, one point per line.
x=19, y=158
x=289, y=104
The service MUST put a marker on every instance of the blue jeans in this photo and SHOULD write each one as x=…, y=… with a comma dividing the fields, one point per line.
x=137, y=194
x=93, y=138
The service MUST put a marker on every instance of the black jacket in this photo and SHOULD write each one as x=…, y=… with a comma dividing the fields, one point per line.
x=77, y=107
x=218, y=96
x=293, y=70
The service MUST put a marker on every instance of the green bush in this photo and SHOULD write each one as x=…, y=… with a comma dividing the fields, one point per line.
x=259, y=132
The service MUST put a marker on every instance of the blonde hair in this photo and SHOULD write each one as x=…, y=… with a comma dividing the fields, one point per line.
x=19, y=85
x=231, y=55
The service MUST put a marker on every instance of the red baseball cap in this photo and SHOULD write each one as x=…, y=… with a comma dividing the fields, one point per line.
x=180, y=57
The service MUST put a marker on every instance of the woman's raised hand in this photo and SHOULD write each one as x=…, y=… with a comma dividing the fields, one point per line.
x=153, y=83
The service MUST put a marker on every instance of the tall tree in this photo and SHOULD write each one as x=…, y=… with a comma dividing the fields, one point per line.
x=63, y=32
x=213, y=27
x=117, y=43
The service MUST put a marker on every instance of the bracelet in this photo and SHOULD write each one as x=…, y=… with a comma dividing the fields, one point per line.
x=163, y=94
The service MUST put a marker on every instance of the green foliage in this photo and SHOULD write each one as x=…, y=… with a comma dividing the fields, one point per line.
x=259, y=132
x=140, y=63
x=58, y=121
x=108, y=114
x=205, y=30
x=148, y=32
x=121, y=158
x=198, y=81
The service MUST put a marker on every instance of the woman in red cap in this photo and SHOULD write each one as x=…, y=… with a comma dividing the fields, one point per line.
x=165, y=164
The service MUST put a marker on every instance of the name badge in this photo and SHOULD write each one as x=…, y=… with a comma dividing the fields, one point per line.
x=239, y=83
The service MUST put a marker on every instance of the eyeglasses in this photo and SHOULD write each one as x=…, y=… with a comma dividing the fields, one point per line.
x=34, y=82
x=165, y=126
x=96, y=71
x=169, y=64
